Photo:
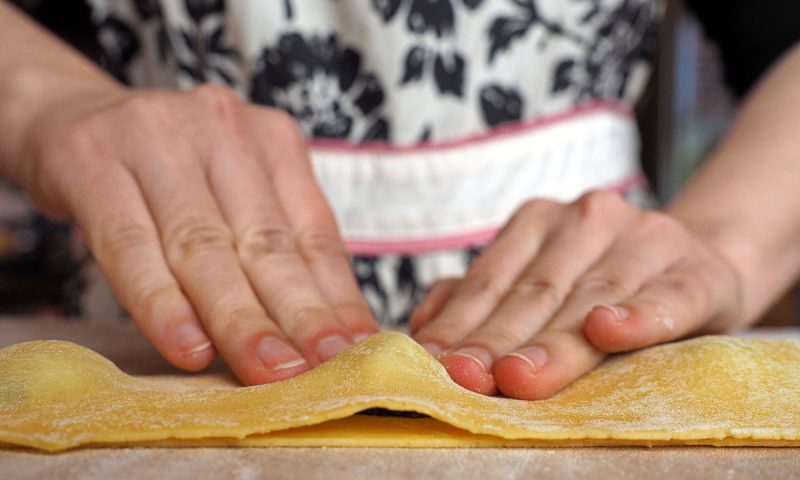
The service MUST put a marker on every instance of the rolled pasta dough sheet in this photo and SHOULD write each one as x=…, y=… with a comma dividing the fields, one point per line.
x=725, y=391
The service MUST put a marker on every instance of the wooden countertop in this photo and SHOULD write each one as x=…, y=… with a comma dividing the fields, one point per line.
x=122, y=344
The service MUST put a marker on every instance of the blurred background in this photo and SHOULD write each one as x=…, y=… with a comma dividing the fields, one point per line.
x=686, y=108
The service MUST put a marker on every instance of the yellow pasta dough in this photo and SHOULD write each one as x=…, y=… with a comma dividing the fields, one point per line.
x=56, y=395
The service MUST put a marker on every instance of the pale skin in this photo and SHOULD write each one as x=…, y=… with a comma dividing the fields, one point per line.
x=204, y=216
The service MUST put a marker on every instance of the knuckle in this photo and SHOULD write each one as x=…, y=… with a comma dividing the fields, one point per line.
x=604, y=285
x=687, y=288
x=658, y=224
x=679, y=282
x=282, y=122
x=533, y=209
x=221, y=100
x=260, y=242
x=353, y=312
x=309, y=315
x=479, y=284
x=83, y=139
x=79, y=136
x=321, y=244
x=688, y=301
x=532, y=288
x=146, y=109
x=149, y=299
x=194, y=237
x=231, y=322
x=224, y=105
x=116, y=238
x=498, y=338
x=597, y=204
x=304, y=320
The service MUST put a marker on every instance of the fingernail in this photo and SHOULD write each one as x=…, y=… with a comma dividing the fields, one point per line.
x=432, y=348
x=190, y=338
x=289, y=364
x=477, y=354
x=275, y=354
x=536, y=357
x=331, y=346
x=621, y=313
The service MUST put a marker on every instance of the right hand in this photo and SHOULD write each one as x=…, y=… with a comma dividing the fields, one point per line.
x=203, y=213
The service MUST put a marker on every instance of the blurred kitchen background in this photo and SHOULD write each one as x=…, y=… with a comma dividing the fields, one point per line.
x=684, y=112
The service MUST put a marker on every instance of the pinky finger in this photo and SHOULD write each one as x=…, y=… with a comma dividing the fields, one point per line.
x=674, y=304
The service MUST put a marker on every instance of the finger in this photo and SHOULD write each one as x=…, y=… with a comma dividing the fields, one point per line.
x=317, y=235
x=490, y=276
x=438, y=294
x=537, y=295
x=531, y=302
x=268, y=249
x=557, y=355
x=128, y=251
x=628, y=264
x=200, y=251
x=671, y=306
x=541, y=368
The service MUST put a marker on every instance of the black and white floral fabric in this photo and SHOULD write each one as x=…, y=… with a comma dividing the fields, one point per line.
x=321, y=83
x=399, y=74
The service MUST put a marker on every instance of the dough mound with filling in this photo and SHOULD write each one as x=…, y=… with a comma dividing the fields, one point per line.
x=725, y=391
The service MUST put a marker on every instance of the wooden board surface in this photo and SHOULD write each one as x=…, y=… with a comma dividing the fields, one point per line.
x=122, y=344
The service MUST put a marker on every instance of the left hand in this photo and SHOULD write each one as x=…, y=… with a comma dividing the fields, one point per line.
x=563, y=285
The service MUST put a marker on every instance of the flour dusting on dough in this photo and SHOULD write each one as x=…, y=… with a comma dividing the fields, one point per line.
x=711, y=390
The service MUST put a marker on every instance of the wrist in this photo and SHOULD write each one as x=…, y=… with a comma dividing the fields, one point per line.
x=30, y=94
x=764, y=271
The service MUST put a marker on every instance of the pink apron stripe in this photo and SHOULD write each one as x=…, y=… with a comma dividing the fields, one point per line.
x=451, y=242
x=493, y=134
x=408, y=247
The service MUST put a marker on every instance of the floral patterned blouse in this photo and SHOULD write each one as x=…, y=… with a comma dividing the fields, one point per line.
x=429, y=121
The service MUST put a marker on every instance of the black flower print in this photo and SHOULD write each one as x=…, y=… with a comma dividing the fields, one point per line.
x=593, y=10
x=448, y=71
x=472, y=4
x=200, y=9
x=504, y=30
x=288, y=10
x=387, y=8
x=206, y=53
x=147, y=8
x=611, y=42
x=378, y=276
x=500, y=105
x=119, y=46
x=624, y=38
x=322, y=85
x=435, y=15
x=366, y=272
x=445, y=65
x=431, y=15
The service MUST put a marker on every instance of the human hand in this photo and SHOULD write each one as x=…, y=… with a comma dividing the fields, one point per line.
x=204, y=216
x=563, y=285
